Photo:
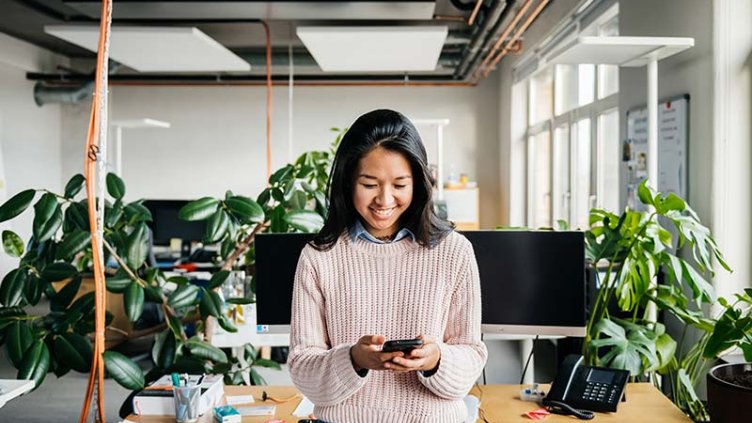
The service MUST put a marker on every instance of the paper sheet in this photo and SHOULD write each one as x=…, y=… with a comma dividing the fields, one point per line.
x=304, y=409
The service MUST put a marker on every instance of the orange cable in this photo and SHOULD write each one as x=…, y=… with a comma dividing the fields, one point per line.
x=268, y=100
x=96, y=375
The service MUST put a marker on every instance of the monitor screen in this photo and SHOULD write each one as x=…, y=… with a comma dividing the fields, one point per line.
x=532, y=283
x=166, y=225
x=276, y=260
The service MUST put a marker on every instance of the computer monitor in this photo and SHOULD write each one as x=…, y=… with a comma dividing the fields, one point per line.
x=532, y=283
x=167, y=225
x=276, y=261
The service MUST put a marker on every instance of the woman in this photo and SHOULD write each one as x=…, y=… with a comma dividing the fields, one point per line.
x=384, y=267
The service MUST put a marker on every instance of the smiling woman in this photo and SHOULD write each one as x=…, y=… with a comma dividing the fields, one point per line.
x=384, y=266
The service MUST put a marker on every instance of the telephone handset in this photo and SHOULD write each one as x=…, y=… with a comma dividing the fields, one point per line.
x=580, y=389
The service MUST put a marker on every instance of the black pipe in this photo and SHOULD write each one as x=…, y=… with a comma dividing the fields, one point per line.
x=483, y=35
x=463, y=6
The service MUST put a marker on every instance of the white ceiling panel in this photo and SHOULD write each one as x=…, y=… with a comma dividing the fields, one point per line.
x=156, y=49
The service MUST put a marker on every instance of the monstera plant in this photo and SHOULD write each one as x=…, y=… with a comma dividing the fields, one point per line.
x=636, y=255
x=56, y=260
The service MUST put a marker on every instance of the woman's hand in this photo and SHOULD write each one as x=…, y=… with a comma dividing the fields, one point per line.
x=366, y=353
x=425, y=358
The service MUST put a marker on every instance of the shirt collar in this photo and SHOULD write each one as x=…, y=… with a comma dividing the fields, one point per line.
x=359, y=231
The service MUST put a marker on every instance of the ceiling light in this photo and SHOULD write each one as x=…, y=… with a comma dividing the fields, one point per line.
x=375, y=49
x=157, y=49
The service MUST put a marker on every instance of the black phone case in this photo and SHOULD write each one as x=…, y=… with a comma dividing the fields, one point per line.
x=404, y=345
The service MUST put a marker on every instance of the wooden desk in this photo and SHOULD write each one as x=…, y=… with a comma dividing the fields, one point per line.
x=645, y=404
x=499, y=403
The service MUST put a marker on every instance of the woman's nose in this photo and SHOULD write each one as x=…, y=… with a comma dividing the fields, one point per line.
x=384, y=197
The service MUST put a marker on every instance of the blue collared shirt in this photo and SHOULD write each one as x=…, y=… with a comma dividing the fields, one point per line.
x=359, y=231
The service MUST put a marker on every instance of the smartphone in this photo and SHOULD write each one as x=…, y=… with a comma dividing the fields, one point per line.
x=404, y=345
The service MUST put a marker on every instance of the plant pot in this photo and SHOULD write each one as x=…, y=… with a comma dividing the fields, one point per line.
x=727, y=401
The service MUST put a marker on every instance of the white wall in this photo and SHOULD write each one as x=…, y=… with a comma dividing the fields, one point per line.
x=732, y=135
x=29, y=135
x=218, y=134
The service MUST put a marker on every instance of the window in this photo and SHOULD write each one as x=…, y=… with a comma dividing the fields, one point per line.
x=540, y=150
x=572, y=134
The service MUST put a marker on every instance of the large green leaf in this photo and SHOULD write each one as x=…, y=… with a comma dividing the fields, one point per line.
x=183, y=296
x=44, y=209
x=13, y=286
x=115, y=186
x=163, y=352
x=136, y=212
x=63, y=298
x=137, y=246
x=50, y=228
x=16, y=205
x=73, y=243
x=123, y=370
x=34, y=289
x=211, y=304
x=205, y=350
x=36, y=363
x=262, y=362
x=218, y=279
x=58, y=271
x=226, y=324
x=78, y=214
x=245, y=209
x=199, y=209
x=304, y=220
x=282, y=175
x=216, y=227
x=118, y=283
x=133, y=299
x=74, y=185
x=17, y=341
x=75, y=351
x=113, y=214
x=12, y=244
x=625, y=349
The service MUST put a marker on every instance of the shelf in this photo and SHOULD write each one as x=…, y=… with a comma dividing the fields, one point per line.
x=622, y=51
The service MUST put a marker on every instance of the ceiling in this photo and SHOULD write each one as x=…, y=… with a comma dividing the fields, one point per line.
x=235, y=24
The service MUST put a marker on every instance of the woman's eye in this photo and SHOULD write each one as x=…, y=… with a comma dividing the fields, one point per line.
x=368, y=186
x=400, y=186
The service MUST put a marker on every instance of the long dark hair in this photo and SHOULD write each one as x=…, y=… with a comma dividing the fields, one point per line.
x=394, y=132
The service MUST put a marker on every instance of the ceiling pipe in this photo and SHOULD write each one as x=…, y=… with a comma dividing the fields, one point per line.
x=481, y=38
x=530, y=19
x=44, y=94
x=508, y=30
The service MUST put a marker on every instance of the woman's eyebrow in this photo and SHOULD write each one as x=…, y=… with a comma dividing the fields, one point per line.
x=363, y=175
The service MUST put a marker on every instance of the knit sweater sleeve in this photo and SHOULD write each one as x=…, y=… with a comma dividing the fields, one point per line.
x=322, y=372
x=463, y=354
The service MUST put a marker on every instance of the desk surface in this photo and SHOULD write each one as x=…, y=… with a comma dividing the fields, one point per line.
x=499, y=404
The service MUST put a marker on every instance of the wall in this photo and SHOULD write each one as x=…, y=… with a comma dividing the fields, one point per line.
x=732, y=133
x=29, y=135
x=218, y=134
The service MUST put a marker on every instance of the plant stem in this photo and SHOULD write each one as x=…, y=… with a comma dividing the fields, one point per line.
x=243, y=246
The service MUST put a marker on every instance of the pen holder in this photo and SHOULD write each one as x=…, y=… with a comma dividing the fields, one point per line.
x=187, y=400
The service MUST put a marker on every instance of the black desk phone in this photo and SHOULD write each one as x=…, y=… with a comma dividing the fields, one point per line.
x=580, y=389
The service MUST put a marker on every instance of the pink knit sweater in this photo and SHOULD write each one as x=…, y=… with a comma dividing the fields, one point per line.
x=399, y=290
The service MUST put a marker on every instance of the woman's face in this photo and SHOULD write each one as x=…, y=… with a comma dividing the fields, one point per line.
x=383, y=190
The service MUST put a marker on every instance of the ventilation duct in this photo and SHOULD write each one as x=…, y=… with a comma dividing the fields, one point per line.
x=45, y=94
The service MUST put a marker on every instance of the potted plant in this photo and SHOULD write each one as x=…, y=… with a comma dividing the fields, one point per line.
x=54, y=264
x=633, y=249
x=730, y=385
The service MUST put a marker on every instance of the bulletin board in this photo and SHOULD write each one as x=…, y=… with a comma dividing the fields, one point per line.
x=673, y=131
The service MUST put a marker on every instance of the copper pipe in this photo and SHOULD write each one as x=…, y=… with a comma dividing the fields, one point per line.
x=450, y=18
x=268, y=101
x=297, y=84
x=520, y=13
x=475, y=12
x=469, y=20
x=517, y=35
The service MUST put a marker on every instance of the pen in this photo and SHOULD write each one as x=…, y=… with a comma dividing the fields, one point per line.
x=175, y=380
